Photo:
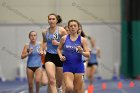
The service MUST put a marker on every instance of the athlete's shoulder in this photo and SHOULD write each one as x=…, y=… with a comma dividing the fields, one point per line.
x=61, y=28
x=83, y=39
x=62, y=31
x=44, y=31
x=63, y=39
x=26, y=45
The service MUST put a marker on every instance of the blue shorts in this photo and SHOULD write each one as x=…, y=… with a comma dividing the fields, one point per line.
x=77, y=68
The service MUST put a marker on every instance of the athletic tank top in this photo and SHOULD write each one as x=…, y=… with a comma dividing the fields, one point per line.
x=93, y=56
x=34, y=59
x=49, y=37
x=70, y=51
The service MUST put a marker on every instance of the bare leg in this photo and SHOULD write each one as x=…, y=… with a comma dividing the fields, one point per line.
x=30, y=77
x=38, y=74
x=44, y=80
x=78, y=83
x=59, y=78
x=50, y=69
x=68, y=81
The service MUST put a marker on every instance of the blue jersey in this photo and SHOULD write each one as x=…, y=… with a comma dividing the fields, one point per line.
x=34, y=59
x=93, y=56
x=73, y=57
x=49, y=37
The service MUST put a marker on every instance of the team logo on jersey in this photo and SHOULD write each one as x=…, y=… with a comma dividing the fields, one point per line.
x=72, y=48
x=50, y=37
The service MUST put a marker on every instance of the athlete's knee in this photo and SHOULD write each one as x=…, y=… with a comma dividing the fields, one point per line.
x=79, y=89
x=52, y=81
x=38, y=80
x=69, y=89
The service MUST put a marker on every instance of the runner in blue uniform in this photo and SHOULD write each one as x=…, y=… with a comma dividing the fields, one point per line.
x=73, y=46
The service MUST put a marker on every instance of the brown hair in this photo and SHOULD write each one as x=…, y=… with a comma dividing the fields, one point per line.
x=73, y=21
x=79, y=25
x=58, y=17
x=82, y=32
x=31, y=32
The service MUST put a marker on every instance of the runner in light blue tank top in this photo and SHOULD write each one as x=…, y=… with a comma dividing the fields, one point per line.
x=33, y=51
x=93, y=57
x=93, y=61
x=49, y=37
x=34, y=59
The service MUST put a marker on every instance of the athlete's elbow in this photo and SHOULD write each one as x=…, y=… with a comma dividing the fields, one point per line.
x=22, y=57
x=88, y=55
